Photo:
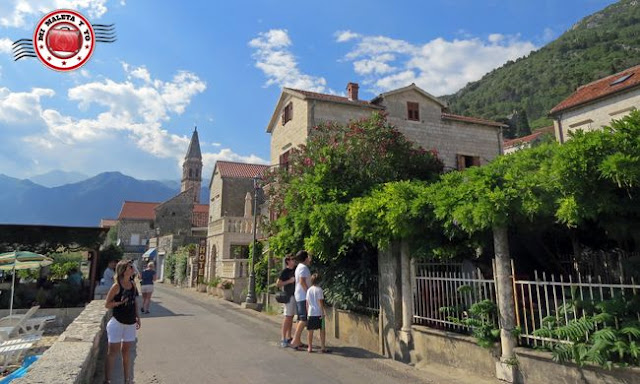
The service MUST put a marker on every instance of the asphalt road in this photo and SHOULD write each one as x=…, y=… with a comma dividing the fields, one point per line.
x=193, y=338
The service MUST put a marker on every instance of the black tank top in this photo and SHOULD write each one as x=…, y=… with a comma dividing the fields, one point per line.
x=125, y=313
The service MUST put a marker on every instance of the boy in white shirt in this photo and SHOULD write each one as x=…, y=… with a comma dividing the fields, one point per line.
x=315, y=310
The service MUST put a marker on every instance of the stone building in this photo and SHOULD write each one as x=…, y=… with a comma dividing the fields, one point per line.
x=460, y=141
x=230, y=227
x=160, y=228
x=594, y=105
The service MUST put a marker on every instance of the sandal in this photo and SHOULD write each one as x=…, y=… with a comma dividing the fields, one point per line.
x=309, y=350
x=326, y=350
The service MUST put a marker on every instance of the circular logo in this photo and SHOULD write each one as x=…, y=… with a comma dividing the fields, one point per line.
x=64, y=40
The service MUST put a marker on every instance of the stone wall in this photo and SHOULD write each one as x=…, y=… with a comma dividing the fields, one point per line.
x=174, y=215
x=72, y=358
x=433, y=346
x=537, y=367
x=234, y=191
x=129, y=227
x=353, y=328
x=293, y=133
x=449, y=138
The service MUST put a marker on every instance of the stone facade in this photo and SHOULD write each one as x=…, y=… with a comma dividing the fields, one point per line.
x=174, y=215
x=595, y=115
x=134, y=234
x=451, y=136
x=230, y=230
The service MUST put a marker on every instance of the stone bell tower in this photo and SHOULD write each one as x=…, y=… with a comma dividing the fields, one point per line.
x=192, y=168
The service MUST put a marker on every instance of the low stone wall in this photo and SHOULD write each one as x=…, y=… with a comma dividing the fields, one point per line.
x=72, y=358
x=64, y=316
x=353, y=329
x=433, y=346
x=537, y=367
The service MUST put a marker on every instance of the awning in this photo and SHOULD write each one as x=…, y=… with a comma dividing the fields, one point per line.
x=150, y=254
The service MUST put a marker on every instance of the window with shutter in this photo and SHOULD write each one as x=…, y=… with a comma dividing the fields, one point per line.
x=287, y=113
x=284, y=160
x=413, y=111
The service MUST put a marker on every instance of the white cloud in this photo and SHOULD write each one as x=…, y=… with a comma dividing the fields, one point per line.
x=20, y=13
x=5, y=45
x=343, y=36
x=439, y=66
x=135, y=109
x=273, y=56
x=22, y=107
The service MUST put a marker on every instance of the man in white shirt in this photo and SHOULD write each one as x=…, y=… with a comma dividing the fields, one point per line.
x=302, y=276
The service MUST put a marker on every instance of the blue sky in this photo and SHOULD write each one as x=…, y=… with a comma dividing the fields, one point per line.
x=221, y=65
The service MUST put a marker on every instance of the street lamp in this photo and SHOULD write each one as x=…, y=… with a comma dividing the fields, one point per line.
x=251, y=295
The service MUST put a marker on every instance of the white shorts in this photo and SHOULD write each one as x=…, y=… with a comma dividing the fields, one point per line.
x=146, y=288
x=118, y=332
x=290, y=307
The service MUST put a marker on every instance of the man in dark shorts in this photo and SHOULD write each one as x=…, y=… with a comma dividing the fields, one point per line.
x=287, y=281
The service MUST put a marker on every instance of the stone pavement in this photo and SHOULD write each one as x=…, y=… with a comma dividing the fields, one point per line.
x=191, y=337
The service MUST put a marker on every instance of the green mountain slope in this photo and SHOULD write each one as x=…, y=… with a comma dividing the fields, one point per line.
x=597, y=46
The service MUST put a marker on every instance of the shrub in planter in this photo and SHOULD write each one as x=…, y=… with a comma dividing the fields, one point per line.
x=212, y=286
x=227, y=289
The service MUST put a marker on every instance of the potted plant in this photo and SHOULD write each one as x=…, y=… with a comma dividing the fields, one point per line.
x=227, y=289
x=202, y=286
x=212, y=286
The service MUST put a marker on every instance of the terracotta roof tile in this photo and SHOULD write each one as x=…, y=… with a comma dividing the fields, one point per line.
x=472, y=120
x=335, y=98
x=145, y=211
x=600, y=88
x=240, y=170
x=138, y=210
x=529, y=138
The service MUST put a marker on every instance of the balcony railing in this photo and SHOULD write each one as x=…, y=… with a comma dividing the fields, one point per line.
x=231, y=224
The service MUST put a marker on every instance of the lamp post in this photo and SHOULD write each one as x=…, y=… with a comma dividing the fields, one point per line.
x=251, y=294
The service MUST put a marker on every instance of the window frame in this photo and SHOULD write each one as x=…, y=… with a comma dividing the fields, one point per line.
x=413, y=111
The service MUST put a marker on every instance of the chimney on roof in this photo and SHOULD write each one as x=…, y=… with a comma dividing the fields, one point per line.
x=352, y=91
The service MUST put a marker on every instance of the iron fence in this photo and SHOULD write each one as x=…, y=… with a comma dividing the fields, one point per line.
x=564, y=299
x=439, y=296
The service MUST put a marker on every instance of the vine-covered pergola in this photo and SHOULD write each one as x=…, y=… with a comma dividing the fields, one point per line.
x=45, y=239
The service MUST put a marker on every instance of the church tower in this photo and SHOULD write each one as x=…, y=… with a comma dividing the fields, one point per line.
x=192, y=168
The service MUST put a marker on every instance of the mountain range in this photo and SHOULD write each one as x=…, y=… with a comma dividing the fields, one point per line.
x=599, y=45
x=81, y=203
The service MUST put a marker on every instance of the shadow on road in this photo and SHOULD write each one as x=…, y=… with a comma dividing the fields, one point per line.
x=157, y=310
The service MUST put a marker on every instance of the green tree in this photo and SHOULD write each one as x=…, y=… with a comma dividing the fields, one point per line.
x=338, y=164
x=522, y=123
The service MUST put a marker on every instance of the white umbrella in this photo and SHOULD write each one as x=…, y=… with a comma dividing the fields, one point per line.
x=17, y=260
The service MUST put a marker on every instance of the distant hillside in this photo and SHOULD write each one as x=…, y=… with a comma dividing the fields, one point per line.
x=78, y=204
x=57, y=178
x=599, y=45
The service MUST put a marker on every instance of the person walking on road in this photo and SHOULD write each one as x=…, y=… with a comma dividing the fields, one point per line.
x=121, y=329
x=147, y=277
x=287, y=282
x=302, y=276
x=317, y=314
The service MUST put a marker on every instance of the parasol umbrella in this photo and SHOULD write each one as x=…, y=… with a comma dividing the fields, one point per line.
x=16, y=260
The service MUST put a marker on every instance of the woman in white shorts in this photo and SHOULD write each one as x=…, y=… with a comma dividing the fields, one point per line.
x=121, y=329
